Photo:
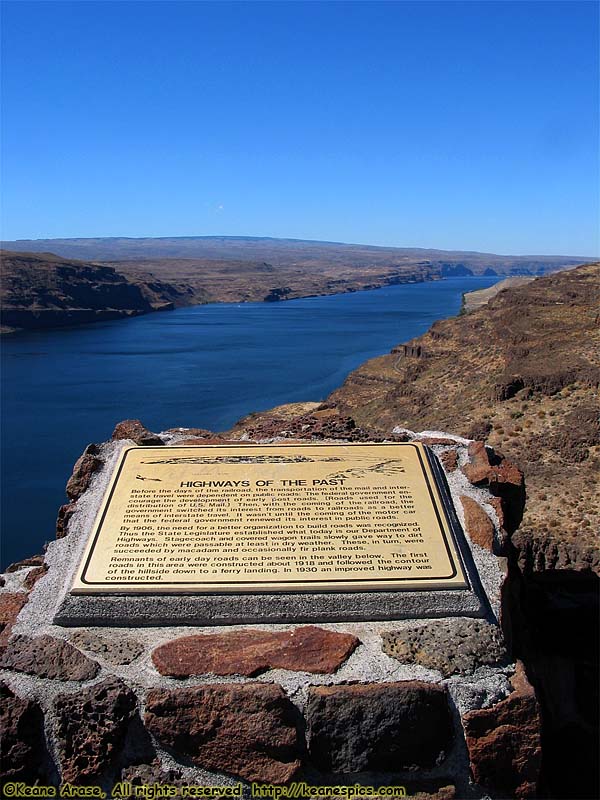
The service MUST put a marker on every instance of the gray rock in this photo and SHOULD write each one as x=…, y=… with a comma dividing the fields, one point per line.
x=113, y=650
x=48, y=657
x=450, y=646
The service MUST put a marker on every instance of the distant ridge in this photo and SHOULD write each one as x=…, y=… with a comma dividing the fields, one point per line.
x=296, y=252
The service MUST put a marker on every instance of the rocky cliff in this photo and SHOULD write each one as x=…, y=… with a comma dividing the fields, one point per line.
x=522, y=372
x=41, y=290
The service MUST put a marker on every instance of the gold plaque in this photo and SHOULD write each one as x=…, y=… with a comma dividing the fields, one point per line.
x=271, y=518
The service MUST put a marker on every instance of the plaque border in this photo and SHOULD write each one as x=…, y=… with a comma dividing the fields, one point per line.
x=442, y=504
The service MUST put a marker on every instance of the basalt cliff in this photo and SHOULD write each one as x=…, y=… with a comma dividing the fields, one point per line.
x=41, y=290
x=122, y=277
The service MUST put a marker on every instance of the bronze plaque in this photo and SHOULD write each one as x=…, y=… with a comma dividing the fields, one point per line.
x=271, y=518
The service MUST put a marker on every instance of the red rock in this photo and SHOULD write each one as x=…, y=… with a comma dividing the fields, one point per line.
x=91, y=727
x=385, y=727
x=250, y=652
x=48, y=657
x=505, y=474
x=11, y=604
x=477, y=471
x=22, y=745
x=449, y=460
x=504, y=741
x=502, y=477
x=249, y=730
x=83, y=471
x=134, y=430
x=34, y=575
x=479, y=526
x=498, y=505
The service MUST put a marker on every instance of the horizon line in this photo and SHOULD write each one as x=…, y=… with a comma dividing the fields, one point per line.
x=299, y=240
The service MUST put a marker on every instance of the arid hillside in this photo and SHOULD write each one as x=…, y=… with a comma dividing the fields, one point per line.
x=522, y=372
x=41, y=290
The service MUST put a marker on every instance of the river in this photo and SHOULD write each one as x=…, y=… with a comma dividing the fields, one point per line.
x=204, y=366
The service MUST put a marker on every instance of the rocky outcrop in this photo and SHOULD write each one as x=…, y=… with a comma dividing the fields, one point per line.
x=133, y=429
x=46, y=291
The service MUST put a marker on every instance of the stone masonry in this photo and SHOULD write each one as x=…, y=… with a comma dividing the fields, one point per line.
x=435, y=705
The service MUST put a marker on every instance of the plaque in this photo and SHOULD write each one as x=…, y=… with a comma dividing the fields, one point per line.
x=238, y=519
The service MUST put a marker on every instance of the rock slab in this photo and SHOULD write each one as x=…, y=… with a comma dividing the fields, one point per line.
x=91, y=727
x=459, y=645
x=250, y=652
x=48, y=657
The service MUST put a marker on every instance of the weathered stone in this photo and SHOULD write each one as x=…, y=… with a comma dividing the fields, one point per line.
x=48, y=657
x=504, y=741
x=34, y=561
x=454, y=645
x=250, y=652
x=83, y=472
x=497, y=504
x=477, y=470
x=145, y=774
x=503, y=479
x=248, y=730
x=386, y=727
x=479, y=526
x=65, y=512
x=91, y=727
x=11, y=604
x=116, y=650
x=22, y=745
x=449, y=459
x=34, y=575
x=134, y=430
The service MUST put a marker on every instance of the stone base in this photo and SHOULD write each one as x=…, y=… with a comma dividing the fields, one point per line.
x=195, y=608
x=140, y=610
x=432, y=705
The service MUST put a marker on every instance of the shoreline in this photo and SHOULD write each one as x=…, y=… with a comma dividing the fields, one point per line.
x=114, y=315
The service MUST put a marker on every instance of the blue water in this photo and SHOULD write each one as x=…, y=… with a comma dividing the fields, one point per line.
x=204, y=367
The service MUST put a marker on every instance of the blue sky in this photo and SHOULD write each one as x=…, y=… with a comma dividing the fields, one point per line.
x=454, y=125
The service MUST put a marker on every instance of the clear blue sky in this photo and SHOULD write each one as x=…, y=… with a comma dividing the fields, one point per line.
x=454, y=125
